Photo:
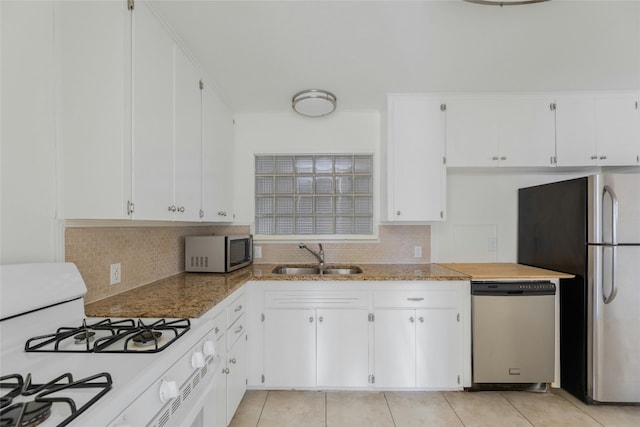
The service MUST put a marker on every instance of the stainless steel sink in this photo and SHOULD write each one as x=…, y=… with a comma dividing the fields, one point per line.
x=297, y=271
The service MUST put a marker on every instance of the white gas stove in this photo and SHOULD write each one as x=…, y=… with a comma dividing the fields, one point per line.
x=59, y=368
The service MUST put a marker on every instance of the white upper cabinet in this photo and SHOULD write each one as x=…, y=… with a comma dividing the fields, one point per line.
x=93, y=115
x=500, y=130
x=217, y=155
x=472, y=131
x=188, y=139
x=416, y=174
x=599, y=129
x=153, y=112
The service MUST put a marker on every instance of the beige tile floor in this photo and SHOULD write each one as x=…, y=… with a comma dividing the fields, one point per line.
x=434, y=409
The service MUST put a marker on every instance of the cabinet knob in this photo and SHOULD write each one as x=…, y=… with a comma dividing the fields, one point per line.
x=594, y=157
x=421, y=319
x=172, y=208
x=320, y=319
x=222, y=213
x=233, y=360
x=603, y=157
x=225, y=371
x=503, y=158
x=411, y=319
x=494, y=158
x=398, y=213
x=181, y=209
x=310, y=319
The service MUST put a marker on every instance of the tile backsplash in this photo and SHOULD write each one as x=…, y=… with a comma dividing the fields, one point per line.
x=395, y=245
x=147, y=254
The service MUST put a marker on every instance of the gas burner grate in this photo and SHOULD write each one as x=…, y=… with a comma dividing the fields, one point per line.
x=36, y=411
x=111, y=336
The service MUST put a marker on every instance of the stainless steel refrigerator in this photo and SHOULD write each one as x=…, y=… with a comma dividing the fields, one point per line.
x=590, y=227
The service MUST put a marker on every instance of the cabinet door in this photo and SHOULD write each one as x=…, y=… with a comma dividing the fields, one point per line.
x=290, y=348
x=438, y=362
x=395, y=348
x=153, y=53
x=188, y=139
x=417, y=174
x=92, y=57
x=217, y=158
x=472, y=131
x=576, y=130
x=236, y=377
x=617, y=132
x=216, y=407
x=526, y=131
x=343, y=348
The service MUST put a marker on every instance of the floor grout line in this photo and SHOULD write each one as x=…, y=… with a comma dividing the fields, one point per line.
x=451, y=407
x=516, y=408
x=579, y=408
x=393, y=420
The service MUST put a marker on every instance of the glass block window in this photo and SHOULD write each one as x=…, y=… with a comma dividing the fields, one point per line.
x=320, y=194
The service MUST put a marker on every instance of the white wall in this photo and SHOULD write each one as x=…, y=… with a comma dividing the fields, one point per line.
x=28, y=229
x=482, y=214
x=266, y=133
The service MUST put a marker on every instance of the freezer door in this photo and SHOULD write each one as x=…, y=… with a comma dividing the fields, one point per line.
x=614, y=327
x=619, y=194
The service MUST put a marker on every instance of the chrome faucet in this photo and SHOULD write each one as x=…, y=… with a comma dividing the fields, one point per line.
x=318, y=255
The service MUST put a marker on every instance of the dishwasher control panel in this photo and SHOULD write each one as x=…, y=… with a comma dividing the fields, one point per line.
x=512, y=288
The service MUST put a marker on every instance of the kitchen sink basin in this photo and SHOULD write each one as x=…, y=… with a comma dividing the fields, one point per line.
x=296, y=271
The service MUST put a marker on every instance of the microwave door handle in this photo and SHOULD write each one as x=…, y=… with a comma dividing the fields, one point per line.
x=614, y=242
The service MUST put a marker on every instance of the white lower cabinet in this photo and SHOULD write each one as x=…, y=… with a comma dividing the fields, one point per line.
x=307, y=348
x=343, y=348
x=387, y=335
x=230, y=361
x=290, y=348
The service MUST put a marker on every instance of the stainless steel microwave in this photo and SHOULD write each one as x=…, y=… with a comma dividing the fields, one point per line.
x=217, y=254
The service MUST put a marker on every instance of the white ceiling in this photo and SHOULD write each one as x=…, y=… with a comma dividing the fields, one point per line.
x=260, y=53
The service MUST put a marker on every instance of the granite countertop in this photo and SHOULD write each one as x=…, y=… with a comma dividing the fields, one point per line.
x=505, y=270
x=191, y=295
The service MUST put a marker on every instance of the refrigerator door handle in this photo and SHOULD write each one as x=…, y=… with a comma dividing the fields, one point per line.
x=614, y=213
x=614, y=241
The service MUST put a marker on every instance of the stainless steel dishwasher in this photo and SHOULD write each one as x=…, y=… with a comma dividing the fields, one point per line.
x=513, y=332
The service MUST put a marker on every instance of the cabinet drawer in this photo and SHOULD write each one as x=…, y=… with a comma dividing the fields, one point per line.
x=316, y=299
x=235, y=331
x=416, y=299
x=235, y=309
x=219, y=325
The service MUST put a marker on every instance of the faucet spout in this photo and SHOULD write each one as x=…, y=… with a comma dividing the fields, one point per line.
x=319, y=255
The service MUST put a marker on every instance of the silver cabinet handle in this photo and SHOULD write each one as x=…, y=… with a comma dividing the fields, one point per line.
x=310, y=319
x=603, y=157
x=411, y=319
x=216, y=330
x=494, y=158
x=181, y=209
x=320, y=319
x=225, y=371
x=415, y=299
x=222, y=213
x=172, y=208
x=238, y=330
x=232, y=360
x=398, y=213
x=594, y=157
x=503, y=158
x=238, y=308
x=613, y=244
x=421, y=319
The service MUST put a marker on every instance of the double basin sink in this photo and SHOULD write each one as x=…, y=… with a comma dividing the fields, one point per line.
x=306, y=270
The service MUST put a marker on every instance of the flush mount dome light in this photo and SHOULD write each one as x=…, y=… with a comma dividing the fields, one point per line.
x=314, y=102
x=505, y=2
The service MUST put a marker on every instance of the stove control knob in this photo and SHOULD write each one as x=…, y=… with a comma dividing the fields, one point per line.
x=209, y=348
x=168, y=390
x=197, y=360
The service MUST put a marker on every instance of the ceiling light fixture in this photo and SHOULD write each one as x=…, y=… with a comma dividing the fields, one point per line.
x=505, y=2
x=314, y=102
